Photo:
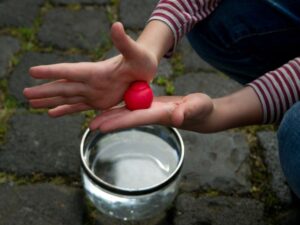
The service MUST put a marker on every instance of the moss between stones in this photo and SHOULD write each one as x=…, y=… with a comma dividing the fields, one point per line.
x=89, y=115
x=7, y=107
x=28, y=35
x=98, y=53
x=167, y=83
x=177, y=64
x=74, y=7
x=39, y=178
x=46, y=7
x=260, y=179
x=90, y=213
x=113, y=10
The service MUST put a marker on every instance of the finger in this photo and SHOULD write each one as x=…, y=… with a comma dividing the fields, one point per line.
x=27, y=91
x=70, y=71
x=54, y=82
x=68, y=109
x=178, y=115
x=55, y=101
x=122, y=41
x=107, y=115
x=66, y=89
x=157, y=114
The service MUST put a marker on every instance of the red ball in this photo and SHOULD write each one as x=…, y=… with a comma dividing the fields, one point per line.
x=138, y=96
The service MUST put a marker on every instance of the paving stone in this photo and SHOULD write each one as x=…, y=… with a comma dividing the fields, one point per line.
x=85, y=29
x=218, y=211
x=18, y=13
x=80, y=1
x=38, y=204
x=165, y=68
x=37, y=143
x=218, y=161
x=269, y=143
x=8, y=46
x=215, y=85
x=135, y=14
x=111, y=53
x=158, y=90
x=191, y=60
x=20, y=77
x=289, y=217
x=106, y=220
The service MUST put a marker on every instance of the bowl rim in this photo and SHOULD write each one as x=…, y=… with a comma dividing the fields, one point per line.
x=123, y=191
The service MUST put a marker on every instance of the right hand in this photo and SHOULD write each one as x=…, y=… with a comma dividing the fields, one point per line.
x=92, y=85
x=192, y=112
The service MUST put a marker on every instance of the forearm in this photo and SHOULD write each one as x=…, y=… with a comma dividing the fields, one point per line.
x=157, y=37
x=238, y=109
x=265, y=100
x=170, y=21
x=181, y=16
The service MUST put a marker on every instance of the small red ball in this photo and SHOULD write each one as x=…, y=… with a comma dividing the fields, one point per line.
x=138, y=96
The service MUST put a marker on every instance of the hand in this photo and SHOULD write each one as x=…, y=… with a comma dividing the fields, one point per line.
x=100, y=85
x=191, y=112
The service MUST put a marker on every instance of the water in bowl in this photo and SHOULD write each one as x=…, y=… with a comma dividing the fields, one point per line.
x=131, y=160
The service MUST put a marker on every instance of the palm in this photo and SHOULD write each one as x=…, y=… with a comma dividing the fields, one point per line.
x=183, y=112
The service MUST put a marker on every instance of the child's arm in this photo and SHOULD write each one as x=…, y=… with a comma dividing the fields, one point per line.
x=196, y=112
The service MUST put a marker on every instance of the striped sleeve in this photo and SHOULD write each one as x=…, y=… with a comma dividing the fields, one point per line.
x=278, y=90
x=182, y=15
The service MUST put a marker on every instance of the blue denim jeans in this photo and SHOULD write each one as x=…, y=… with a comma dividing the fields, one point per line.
x=247, y=38
x=289, y=147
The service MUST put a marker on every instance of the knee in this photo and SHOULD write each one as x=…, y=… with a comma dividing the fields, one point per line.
x=289, y=147
x=288, y=132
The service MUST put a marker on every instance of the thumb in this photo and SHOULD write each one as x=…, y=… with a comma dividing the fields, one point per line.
x=125, y=44
x=178, y=115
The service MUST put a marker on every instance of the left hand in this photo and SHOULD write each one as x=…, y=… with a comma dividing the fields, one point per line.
x=92, y=85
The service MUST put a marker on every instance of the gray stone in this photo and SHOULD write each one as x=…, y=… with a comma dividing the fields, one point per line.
x=18, y=13
x=217, y=161
x=164, y=68
x=80, y=1
x=191, y=60
x=269, y=143
x=133, y=34
x=85, y=29
x=158, y=90
x=135, y=14
x=218, y=211
x=40, y=204
x=212, y=84
x=290, y=216
x=20, y=77
x=111, y=53
x=38, y=144
x=160, y=219
x=8, y=46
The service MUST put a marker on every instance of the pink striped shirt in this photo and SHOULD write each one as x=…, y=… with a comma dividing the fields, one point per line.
x=277, y=90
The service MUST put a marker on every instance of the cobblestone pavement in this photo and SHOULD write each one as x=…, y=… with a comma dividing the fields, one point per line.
x=231, y=177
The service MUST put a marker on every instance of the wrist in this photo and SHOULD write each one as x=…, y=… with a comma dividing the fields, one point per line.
x=158, y=45
x=238, y=109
